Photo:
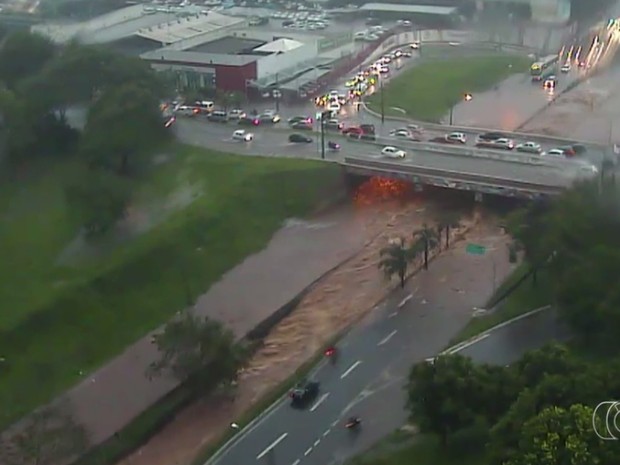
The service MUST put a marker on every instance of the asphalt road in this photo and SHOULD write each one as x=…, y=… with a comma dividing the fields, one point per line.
x=367, y=381
x=274, y=142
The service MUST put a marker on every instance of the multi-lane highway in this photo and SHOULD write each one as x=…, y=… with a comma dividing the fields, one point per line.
x=367, y=381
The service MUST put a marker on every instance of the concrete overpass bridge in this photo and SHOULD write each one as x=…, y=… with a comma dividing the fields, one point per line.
x=478, y=171
x=545, y=11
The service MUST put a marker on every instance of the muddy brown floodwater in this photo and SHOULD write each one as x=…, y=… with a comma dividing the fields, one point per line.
x=335, y=302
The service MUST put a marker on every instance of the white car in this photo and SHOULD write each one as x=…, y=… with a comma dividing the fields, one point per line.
x=393, y=152
x=556, y=153
x=566, y=68
x=415, y=45
x=503, y=143
x=415, y=128
x=529, y=147
x=457, y=137
x=401, y=133
x=236, y=114
x=550, y=82
x=243, y=135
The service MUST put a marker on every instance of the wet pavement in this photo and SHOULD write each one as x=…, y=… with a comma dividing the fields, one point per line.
x=243, y=297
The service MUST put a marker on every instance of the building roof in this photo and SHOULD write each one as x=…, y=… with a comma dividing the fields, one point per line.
x=229, y=45
x=185, y=28
x=198, y=58
x=279, y=46
x=410, y=9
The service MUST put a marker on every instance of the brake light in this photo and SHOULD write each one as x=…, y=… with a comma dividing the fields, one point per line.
x=255, y=122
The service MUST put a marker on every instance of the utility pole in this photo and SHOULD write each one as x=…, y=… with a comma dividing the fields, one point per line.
x=451, y=114
x=382, y=100
x=323, y=116
x=277, y=94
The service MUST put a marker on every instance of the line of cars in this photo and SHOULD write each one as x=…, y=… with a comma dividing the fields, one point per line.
x=501, y=141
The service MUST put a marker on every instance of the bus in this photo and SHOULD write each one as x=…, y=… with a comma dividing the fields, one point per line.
x=537, y=70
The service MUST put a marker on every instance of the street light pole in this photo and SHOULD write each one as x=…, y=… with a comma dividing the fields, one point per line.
x=382, y=101
x=323, y=135
x=451, y=115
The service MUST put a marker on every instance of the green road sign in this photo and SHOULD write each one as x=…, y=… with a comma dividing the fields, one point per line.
x=475, y=249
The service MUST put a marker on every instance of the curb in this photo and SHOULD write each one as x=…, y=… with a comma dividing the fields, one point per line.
x=483, y=335
x=265, y=413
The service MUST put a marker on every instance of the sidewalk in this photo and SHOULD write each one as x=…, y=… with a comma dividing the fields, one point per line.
x=296, y=256
x=455, y=283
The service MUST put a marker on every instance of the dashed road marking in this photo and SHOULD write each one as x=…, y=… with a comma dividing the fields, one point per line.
x=319, y=402
x=296, y=462
x=350, y=369
x=308, y=450
x=271, y=446
x=392, y=315
x=405, y=300
x=327, y=432
x=316, y=443
x=387, y=338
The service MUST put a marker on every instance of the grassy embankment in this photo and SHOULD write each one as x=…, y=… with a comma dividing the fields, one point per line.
x=68, y=307
x=427, y=92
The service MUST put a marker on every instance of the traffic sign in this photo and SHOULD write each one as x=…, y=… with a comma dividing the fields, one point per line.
x=475, y=249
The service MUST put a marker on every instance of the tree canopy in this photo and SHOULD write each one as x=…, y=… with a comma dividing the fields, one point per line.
x=124, y=125
x=198, y=352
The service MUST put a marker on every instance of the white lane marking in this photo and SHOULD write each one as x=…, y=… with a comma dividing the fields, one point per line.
x=308, y=450
x=334, y=423
x=319, y=402
x=317, y=442
x=470, y=343
x=386, y=339
x=271, y=446
x=350, y=369
x=296, y=462
x=327, y=432
x=392, y=315
x=405, y=300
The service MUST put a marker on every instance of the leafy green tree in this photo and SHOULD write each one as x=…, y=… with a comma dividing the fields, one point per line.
x=48, y=437
x=123, y=124
x=22, y=55
x=99, y=199
x=443, y=397
x=558, y=436
x=199, y=352
x=81, y=73
x=424, y=240
x=395, y=259
x=552, y=359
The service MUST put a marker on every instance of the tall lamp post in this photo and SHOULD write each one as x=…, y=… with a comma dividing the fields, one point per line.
x=382, y=100
x=466, y=98
x=324, y=115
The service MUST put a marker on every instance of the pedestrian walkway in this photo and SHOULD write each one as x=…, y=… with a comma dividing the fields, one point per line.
x=444, y=298
x=297, y=255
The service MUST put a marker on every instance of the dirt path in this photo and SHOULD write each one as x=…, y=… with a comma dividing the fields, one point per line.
x=337, y=301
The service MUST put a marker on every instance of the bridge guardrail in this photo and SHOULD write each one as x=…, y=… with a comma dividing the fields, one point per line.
x=473, y=129
x=489, y=154
x=494, y=181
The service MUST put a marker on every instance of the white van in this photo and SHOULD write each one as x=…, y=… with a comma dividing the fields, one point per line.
x=205, y=105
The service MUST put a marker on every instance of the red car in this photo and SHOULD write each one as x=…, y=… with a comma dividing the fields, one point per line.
x=353, y=130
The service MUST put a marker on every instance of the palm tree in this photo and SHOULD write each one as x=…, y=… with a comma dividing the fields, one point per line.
x=424, y=240
x=445, y=221
x=395, y=258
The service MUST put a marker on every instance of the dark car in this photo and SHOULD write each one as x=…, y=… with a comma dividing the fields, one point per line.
x=491, y=136
x=304, y=393
x=579, y=149
x=297, y=119
x=302, y=125
x=368, y=128
x=249, y=121
x=299, y=138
